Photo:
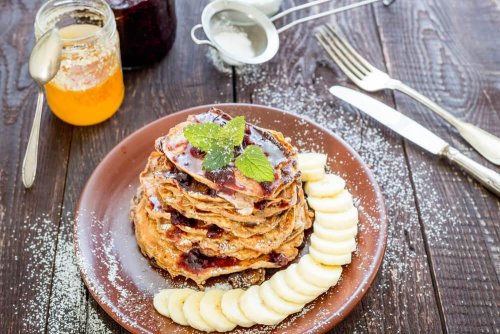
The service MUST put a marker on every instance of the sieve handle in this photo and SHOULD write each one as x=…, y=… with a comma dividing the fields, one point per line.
x=319, y=15
x=196, y=39
x=296, y=8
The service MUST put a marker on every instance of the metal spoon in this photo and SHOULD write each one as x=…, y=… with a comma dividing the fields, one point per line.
x=44, y=63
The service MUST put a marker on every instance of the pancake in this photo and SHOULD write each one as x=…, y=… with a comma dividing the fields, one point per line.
x=166, y=186
x=200, y=224
x=214, y=241
x=159, y=247
x=282, y=156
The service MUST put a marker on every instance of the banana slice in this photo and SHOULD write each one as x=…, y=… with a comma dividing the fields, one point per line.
x=255, y=310
x=230, y=305
x=318, y=274
x=330, y=185
x=313, y=174
x=176, y=302
x=311, y=161
x=279, y=285
x=340, y=203
x=329, y=259
x=211, y=311
x=297, y=283
x=335, y=235
x=160, y=302
x=191, y=311
x=337, y=220
x=333, y=247
x=273, y=301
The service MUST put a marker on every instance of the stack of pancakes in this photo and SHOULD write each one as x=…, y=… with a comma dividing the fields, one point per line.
x=202, y=224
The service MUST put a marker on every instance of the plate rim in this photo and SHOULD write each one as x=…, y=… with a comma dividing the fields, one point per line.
x=329, y=322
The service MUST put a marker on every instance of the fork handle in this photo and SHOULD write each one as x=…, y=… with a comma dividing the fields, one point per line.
x=484, y=142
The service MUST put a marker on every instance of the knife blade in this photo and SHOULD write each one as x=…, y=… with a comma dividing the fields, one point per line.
x=417, y=134
x=391, y=118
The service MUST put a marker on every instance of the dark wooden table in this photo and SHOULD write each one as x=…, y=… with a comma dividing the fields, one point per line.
x=442, y=267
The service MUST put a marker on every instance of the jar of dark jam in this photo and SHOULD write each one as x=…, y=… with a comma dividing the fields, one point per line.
x=146, y=28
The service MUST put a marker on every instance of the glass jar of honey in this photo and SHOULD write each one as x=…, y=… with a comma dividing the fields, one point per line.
x=88, y=87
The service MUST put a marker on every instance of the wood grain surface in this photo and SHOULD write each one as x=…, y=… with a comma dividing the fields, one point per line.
x=453, y=61
x=441, y=273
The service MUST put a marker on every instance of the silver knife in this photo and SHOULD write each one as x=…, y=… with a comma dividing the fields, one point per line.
x=416, y=133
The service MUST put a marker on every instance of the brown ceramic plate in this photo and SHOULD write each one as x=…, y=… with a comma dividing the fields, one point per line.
x=123, y=282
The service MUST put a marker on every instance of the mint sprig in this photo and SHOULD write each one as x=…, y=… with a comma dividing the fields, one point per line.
x=202, y=136
x=234, y=131
x=217, y=157
x=254, y=164
x=218, y=143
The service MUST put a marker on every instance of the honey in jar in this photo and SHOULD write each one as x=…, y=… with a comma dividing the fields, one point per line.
x=88, y=87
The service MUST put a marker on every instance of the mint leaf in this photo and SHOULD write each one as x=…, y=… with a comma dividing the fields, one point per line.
x=234, y=130
x=202, y=136
x=254, y=164
x=218, y=143
x=218, y=156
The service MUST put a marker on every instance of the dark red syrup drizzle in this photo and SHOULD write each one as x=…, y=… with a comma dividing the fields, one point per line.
x=214, y=231
x=178, y=219
x=278, y=258
x=196, y=262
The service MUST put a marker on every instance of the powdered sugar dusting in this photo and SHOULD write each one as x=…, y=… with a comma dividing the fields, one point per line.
x=381, y=152
x=127, y=304
x=39, y=250
x=68, y=298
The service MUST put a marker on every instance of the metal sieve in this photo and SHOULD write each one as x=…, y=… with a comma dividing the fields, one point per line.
x=248, y=36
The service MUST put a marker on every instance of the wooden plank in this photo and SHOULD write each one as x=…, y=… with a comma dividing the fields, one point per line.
x=68, y=299
x=401, y=299
x=183, y=79
x=28, y=218
x=449, y=51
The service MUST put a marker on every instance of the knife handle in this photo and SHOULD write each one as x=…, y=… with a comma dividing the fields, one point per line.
x=489, y=178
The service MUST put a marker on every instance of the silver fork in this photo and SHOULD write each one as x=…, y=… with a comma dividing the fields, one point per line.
x=371, y=79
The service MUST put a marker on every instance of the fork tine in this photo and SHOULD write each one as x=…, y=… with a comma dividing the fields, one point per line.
x=354, y=76
x=343, y=54
x=351, y=71
x=346, y=46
